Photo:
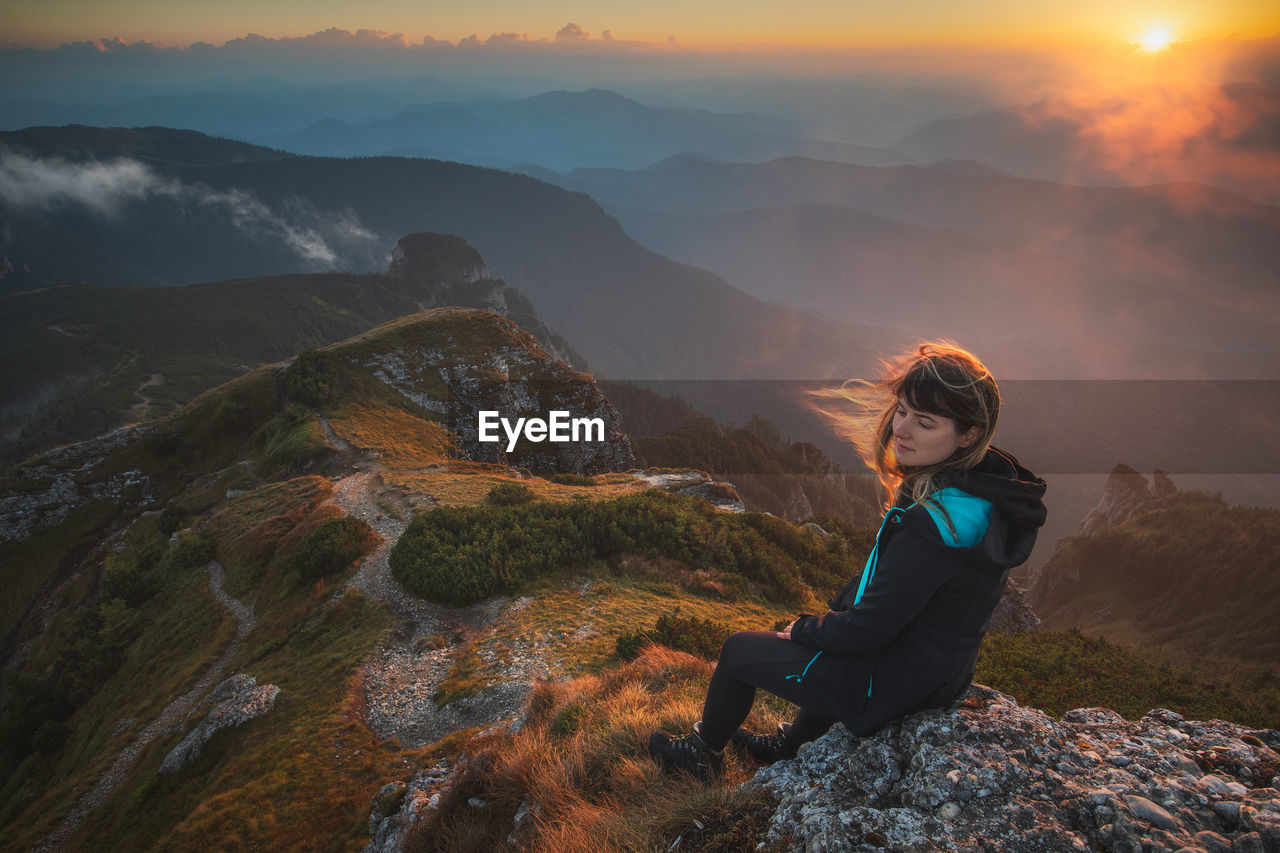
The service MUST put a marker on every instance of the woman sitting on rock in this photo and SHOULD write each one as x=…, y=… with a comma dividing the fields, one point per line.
x=904, y=635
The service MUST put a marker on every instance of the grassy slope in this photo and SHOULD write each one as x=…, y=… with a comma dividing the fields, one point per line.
x=1194, y=581
x=301, y=777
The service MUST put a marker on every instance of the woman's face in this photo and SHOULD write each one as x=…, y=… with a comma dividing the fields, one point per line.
x=920, y=438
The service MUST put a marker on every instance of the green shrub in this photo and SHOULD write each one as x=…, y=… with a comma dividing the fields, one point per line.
x=289, y=443
x=460, y=555
x=331, y=547
x=1060, y=670
x=700, y=637
x=509, y=494
x=572, y=480
x=310, y=379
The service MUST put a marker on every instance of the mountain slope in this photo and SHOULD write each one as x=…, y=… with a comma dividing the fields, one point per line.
x=86, y=359
x=855, y=265
x=630, y=312
x=1197, y=239
x=131, y=561
x=1157, y=567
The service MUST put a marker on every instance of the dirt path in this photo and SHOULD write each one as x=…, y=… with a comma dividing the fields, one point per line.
x=170, y=717
x=403, y=674
x=138, y=411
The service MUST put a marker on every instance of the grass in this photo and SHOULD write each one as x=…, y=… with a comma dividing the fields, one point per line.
x=186, y=631
x=450, y=489
x=250, y=527
x=580, y=764
x=299, y=778
x=574, y=623
x=26, y=567
x=396, y=438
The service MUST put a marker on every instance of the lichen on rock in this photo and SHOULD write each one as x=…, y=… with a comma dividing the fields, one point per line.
x=236, y=701
x=988, y=774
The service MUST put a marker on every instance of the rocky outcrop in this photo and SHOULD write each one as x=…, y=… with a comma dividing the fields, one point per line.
x=443, y=269
x=990, y=775
x=399, y=806
x=435, y=262
x=798, y=507
x=1013, y=614
x=1126, y=494
x=459, y=362
x=695, y=484
x=236, y=701
x=42, y=493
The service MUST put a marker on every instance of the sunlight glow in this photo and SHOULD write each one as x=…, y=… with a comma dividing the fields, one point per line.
x=1157, y=39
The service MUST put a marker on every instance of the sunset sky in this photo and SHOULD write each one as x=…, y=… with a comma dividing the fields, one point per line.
x=708, y=24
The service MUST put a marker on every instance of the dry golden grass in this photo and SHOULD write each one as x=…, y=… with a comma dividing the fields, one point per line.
x=464, y=483
x=581, y=766
x=575, y=626
x=398, y=439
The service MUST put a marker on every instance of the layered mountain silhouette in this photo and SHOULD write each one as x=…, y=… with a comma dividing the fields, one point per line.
x=630, y=312
x=1089, y=272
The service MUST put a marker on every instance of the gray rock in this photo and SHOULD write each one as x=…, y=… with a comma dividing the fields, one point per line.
x=1146, y=810
x=236, y=701
x=983, y=775
x=1213, y=842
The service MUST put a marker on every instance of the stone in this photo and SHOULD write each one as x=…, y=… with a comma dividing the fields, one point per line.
x=236, y=701
x=984, y=774
x=1151, y=813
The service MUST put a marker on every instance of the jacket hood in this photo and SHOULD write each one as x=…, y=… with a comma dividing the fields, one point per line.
x=1018, y=499
x=1000, y=478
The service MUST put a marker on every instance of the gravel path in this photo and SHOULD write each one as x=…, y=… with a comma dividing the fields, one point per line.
x=169, y=718
x=404, y=672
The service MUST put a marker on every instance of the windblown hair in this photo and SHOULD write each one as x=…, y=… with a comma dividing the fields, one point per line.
x=939, y=378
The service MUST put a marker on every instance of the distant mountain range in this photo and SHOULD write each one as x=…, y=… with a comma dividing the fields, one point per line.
x=565, y=130
x=1176, y=279
x=630, y=312
x=1227, y=136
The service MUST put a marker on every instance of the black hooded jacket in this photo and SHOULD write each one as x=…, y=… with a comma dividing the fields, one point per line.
x=912, y=640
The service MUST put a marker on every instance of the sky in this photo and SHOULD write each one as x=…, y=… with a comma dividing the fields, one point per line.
x=708, y=24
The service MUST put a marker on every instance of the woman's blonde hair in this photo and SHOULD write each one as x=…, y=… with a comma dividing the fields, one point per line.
x=936, y=377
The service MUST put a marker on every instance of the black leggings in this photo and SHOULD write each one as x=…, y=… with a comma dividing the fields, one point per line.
x=752, y=659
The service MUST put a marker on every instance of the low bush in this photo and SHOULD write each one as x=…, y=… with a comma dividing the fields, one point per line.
x=572, y=480
x=700, y=637
x=509, y=494
x=461, y=555
x=330, y=548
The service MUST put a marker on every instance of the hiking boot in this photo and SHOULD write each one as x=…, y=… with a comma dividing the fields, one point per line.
x=686, y=753
x=765, y=749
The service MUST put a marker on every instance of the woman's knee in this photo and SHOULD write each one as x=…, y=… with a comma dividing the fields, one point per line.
x=744, y=646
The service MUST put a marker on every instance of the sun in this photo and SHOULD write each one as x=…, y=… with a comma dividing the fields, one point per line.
x=1156, y=39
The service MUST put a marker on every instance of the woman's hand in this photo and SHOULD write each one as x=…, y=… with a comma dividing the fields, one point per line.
x=785, y=633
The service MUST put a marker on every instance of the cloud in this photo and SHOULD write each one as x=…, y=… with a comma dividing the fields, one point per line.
x=507, y=39
x=321, y=239
x=29, y=184
x=572, y=32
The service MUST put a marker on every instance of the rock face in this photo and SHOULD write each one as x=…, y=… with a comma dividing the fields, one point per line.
x=1013, y=614
x=236, y=701
x=1125, y=495
x=459, y=362
x=991, y=775
x=443, y=269
x=64, y=479
x=697, y=484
